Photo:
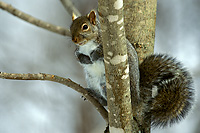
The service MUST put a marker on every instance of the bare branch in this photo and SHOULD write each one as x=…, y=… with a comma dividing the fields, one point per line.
x=70, y=8
x=33, y=20
x=68, y=82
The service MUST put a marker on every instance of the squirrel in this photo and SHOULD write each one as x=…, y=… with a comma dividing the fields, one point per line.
x=171, y=84
x=89, y=53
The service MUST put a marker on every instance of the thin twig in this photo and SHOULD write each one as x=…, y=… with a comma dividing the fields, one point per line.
x=68, y=82
x=33, y=20
x=70, y=8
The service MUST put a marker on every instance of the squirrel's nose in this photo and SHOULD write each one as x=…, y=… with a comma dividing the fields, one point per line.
x=75, y=39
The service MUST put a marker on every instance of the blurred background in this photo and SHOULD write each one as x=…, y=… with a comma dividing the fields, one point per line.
x=47, y=107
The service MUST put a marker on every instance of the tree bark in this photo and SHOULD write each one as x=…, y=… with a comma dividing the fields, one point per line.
x=140, y=20
x=116, y=66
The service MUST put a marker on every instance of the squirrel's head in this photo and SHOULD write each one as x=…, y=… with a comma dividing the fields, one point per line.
x=84, y=28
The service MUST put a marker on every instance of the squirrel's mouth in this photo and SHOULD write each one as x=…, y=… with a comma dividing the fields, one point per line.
x=82, y=43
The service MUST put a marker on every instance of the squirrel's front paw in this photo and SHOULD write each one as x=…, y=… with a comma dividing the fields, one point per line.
x=96, y=55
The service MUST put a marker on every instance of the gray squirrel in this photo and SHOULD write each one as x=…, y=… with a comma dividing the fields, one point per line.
x=171, y=85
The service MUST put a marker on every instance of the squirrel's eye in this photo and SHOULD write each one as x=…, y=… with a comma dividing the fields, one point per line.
x=85, y=27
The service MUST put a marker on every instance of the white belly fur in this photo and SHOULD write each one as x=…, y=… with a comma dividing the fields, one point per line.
x=95, y=75
x=88, y=48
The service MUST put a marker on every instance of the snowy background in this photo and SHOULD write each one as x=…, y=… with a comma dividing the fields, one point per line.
x=47, y=107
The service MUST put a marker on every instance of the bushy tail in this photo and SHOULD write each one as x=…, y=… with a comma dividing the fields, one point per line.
x=172, y=93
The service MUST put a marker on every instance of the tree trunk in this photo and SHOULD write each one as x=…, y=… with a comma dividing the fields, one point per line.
x=140, y=20
x=116, y=66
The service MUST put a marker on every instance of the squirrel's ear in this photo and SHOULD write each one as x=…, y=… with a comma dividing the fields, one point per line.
x=74, y=16
x=92, y=17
